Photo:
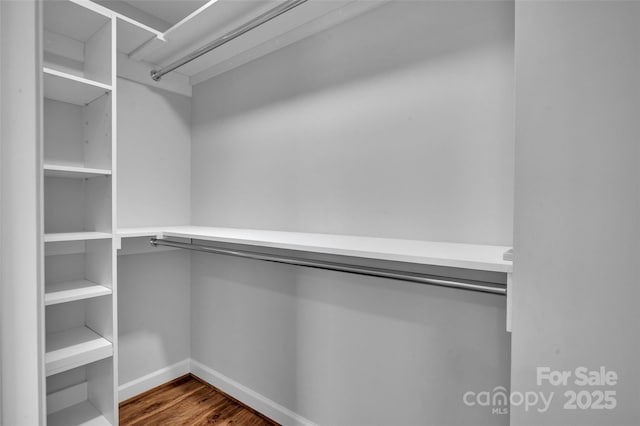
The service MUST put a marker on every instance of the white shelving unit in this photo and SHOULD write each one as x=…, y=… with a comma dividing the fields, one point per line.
x=79, y=123
x=78, y=40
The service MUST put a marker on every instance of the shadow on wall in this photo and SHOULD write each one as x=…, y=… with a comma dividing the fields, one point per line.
x=368, y=49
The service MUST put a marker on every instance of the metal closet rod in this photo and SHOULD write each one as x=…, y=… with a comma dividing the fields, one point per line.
x=237, y=32
x=471, y=285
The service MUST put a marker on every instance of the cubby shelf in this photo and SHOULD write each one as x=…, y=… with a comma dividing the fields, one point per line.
x=72, y=89
x=73, y=348
x=73, y=290
x=73, y=172
x=78, y=20
x=75, y=236
x=82, y=414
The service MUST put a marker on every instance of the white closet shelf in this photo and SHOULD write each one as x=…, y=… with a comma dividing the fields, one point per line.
x=73, y=172
x=75, y=236
x=82, y=414
x=73, y=348
x=73, y=290
x=72, y=89
x=454, y=255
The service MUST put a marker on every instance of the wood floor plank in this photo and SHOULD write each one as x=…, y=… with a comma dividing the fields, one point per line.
x=188, y=411
x=141, y=407
x=246, y=418
x=188, y=401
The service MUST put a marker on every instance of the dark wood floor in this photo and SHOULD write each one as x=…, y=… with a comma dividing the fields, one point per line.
x=188, y=401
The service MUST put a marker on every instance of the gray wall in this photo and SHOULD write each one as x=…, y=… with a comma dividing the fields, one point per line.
x=154, y=326
x=398, y=123
x=577, y=231
x=154, y=156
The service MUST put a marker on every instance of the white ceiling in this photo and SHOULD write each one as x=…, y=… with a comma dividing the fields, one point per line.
x=170, y=11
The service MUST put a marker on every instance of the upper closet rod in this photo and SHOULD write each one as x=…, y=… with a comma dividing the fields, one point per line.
x=254, y=23
x=472, y=285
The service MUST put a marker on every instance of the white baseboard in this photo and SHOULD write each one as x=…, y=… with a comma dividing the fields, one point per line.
x=253, y=399
x=152, y=380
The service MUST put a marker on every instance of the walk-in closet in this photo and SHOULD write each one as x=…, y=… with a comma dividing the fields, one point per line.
x=319, y=212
